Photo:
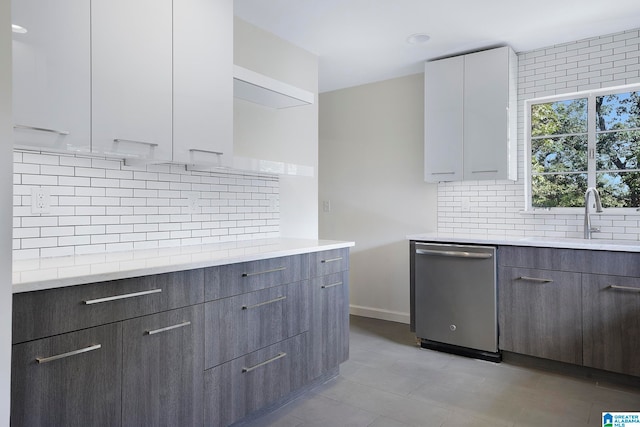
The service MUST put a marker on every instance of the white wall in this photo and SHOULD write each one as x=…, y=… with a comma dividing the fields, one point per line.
x=371, y=172
x=6, y=144
x=287, y=135
x=495, y=206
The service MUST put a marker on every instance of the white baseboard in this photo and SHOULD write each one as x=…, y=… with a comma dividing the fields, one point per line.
x=378, y=313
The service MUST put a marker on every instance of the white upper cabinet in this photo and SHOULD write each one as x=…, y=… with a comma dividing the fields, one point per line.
x=487, y=141
x=443, y=114
x=51, y=74
x=203, y=82
x=470, y=117
x=131, y=65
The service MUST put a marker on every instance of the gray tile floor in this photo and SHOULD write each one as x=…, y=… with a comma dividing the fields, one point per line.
x=390, y=382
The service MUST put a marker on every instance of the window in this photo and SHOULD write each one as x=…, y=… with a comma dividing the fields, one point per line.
x=584, y=140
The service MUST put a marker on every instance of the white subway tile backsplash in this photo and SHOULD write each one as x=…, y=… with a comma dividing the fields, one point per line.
x=100, y=205
x=39, y=242
x=40, y=159
x=496, y=206
x=74, y=182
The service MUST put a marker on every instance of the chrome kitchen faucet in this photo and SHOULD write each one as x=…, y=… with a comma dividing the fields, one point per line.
x=587, y=217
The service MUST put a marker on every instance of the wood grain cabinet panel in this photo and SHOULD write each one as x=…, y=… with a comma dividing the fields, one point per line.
x=329, y=262
x=540, y=313
x=235, y=279
x=247, y=322
x=78, y=389
x=237, y=388
x=543, y=258
x=329, y=323
x=163, y=365
x=578, y=260
x=49, y=312
x=612, y=323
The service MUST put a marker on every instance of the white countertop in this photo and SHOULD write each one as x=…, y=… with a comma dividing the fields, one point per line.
x=544, y=242
x=48, y=273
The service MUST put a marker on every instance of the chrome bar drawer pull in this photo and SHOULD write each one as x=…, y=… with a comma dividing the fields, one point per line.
x=168, y=328
x=150, y=144
x=623, y=288
x=59, y=132
x=247, y=307
x=197, y=150
x=486, y=171
x=534, y=279
x=324, y=261
x=333, y=285
x=257, y=273
x=266, y=362
x=123, y=296
x=71, y=353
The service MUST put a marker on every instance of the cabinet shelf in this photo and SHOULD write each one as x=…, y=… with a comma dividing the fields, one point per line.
x=260, y=89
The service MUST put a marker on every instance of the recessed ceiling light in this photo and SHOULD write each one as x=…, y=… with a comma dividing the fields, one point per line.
x=18, y=29
x=418, y=38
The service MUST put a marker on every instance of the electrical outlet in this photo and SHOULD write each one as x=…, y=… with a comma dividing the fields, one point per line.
x=326, y=205
x=193, y=203
x=40, y=200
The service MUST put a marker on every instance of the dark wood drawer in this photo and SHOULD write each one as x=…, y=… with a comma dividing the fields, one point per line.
x=45, y=313
x=235, y=279
x=611, y=323
x=329, y=262
x=578, y=260
x=163, y=362
x=542, y=258
x=239, y=387
x=80, y=387
x=540, y=313
x=247, y=322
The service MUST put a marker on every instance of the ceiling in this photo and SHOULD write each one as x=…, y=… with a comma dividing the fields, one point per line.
x=363, y=41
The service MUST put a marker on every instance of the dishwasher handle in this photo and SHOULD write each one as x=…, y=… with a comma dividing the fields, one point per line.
x=455, y=254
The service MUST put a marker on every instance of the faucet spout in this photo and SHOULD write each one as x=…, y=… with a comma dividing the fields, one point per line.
x=588, y=229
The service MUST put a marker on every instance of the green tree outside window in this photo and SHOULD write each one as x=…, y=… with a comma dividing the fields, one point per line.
x=563, y=160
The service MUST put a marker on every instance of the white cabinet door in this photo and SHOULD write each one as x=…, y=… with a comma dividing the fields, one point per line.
x=486, y=102
x=51, y=74
x=131, y=78
x=443, y=120
x=203, y=81
x=470, y=117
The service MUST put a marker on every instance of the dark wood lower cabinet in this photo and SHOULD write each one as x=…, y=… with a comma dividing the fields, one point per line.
x=330, y=322
x=540, y=313
x=70, y=380
x=611, y=323
x=164, y=357
x=239, y=387
x=163, y=362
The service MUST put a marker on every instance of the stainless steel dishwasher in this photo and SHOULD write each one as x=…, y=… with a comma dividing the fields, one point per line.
x=455, y=299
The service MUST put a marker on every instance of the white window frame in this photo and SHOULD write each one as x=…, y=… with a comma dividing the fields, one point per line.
x=590, y=95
